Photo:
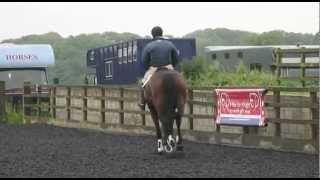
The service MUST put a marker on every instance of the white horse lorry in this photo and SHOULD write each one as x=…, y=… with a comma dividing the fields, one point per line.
x=24, y=63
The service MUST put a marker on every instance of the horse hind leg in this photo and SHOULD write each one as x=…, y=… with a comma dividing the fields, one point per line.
x=178, y=123
x=167, y=122
x=155, y=119
x=179, y=137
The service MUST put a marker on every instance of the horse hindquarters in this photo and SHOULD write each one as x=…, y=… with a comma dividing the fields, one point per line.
x=165, y=103
x=168, y=94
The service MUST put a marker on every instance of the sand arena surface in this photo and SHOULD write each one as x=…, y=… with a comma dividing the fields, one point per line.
x=41, y=150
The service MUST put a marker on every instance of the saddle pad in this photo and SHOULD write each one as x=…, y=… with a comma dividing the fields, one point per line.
x=151, y=71
x=148, y=76
x=146, y=80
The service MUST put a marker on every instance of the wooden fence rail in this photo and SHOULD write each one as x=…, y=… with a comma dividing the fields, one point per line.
x=100, y=104
x=279, y=54
x=2, y=102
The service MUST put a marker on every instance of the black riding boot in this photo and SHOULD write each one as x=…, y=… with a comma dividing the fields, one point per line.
x=142, y=103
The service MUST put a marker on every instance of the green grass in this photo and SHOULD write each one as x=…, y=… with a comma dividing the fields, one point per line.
x=13, y=117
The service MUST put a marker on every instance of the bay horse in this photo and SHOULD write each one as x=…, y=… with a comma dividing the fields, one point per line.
x=166, y=95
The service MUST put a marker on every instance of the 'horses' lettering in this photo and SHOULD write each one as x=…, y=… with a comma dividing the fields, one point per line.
x=21, y=57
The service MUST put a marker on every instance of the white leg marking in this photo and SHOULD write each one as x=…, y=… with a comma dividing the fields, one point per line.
x=171, y=144
x=160, y=145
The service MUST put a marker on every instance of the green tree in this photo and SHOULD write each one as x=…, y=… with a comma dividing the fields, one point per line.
x=70, y=52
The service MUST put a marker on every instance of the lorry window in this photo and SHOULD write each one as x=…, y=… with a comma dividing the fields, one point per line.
x=134, y=51
x=213, y=56
x=130, y=52
x=105, y=53
x=110, y=52
x=115, y=51
x=125, y=53
x=120, y=54
x=92, y=55
x=16, y=78
x=226, y=55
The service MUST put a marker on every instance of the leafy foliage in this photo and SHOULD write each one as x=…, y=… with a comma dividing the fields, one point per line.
x=201, y=73
x=70, y=52
x=223, y=36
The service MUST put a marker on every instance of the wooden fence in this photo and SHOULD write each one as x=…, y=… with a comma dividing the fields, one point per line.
x=303, y=53
x=293, y=120
x=2, y=102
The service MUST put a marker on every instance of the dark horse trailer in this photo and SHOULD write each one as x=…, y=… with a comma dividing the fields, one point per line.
x=121, y=63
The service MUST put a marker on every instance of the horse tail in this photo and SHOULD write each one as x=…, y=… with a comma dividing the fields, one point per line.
x=169, y=95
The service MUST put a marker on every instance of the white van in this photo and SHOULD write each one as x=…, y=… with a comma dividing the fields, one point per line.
x=21, y=63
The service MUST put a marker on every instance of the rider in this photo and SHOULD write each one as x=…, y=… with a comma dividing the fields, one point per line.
x=158, y=53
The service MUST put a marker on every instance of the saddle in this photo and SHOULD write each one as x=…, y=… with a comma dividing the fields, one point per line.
x=162, y=68
x=152, y=70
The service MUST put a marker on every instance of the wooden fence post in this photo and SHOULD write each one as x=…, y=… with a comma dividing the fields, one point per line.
x=143, y=116
x=26, y=110
x=278, y=63
x=253, y=130
x=245, y=130
x=2, y=102
x=215, y=109
x=276, y=101
x=121, y=113
x=103, y=106
x=85, y=104
x=53, y=101
x=314, y=115
x=49, y=95
x=38, y=90
x=190, y=97
x=68, y=103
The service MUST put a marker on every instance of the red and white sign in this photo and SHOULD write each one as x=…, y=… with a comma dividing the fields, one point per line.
x=243, y=107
